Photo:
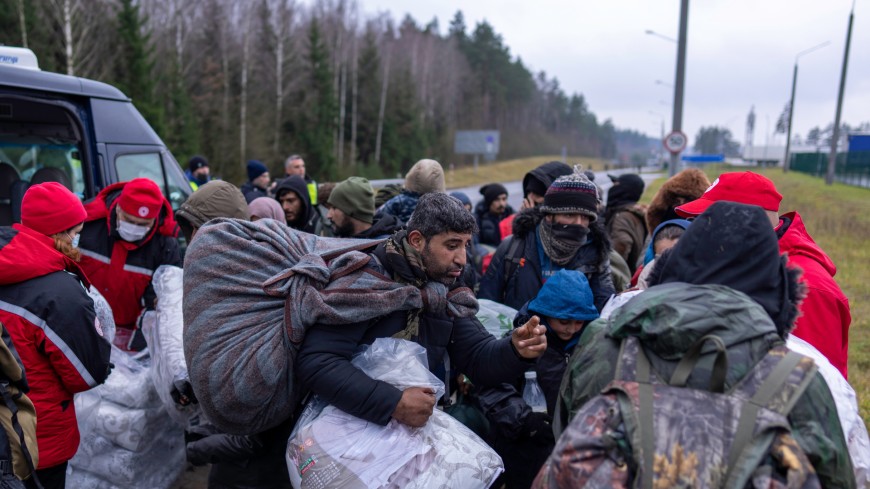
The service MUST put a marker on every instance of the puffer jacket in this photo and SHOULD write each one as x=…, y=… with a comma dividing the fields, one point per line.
x=627, y=230
x=825, y=314
x=526, y=280
x=668, y=319
x=52, y=323
x=488, y=223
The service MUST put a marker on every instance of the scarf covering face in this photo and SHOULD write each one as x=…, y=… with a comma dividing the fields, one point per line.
x=558, y=248
x=456, y=301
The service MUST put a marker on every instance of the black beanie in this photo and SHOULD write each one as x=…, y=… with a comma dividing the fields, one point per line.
x=491, y=192
x=196, y=162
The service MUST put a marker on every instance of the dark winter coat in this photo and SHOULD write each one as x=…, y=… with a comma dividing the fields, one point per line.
x=626, y=226
x=382, y=228
x=52, y=323
x=323, y=364
x=311, y=220
x=251, y=192
x=526, y=280
x=487, y=223
x=120, y=270
x=401, y=206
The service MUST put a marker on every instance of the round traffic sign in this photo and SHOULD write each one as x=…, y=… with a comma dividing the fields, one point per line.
x=675, y=141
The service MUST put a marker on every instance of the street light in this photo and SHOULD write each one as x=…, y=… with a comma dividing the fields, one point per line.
x=659, y=82
x=666, y=38
x=661, y=148
x=785, y=162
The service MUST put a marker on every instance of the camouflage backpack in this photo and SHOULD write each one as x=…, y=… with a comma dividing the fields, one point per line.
x=646, y=433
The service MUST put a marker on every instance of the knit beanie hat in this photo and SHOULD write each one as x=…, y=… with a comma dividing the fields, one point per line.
x=424, y=177
x=491, y=192
x=197, y=162
x=355, y=197
x=141, y=198
x=50, y=208
x=461, y=197
x=572, y=194
x=255, y=169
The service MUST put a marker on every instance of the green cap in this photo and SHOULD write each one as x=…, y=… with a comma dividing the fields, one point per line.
x=355, y=197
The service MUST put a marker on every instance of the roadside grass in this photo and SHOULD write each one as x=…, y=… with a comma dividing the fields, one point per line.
x=838, y=219
x=509, y=170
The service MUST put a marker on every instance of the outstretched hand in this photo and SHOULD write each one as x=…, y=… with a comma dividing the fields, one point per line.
x=530, y=339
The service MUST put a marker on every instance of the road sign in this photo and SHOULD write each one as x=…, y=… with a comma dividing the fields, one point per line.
x=476, y=143
x=675, y=141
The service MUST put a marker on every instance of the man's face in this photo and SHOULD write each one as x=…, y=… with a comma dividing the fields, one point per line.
x=295, y=167
x=498, y=205
x=341, y=222
x=201, y=173
x=443, y=254
x=292, y=205
x=580, y=219
x=262, y=181
x=125, y=217
x=535, y=198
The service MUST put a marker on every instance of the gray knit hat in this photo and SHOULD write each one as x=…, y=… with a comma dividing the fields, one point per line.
x=355, y=197
x=572, y=194
x=424, y=177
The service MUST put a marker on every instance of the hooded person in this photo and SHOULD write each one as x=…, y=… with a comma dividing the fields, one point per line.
x=724, y=277
x=562, y=233
x=491, y=211
x=352, y=211
x=51, y=321
x=197, y=172
x=535, y=185
x=292, y=194
x=664, y=237
x=625, y=218
x=424, y=177
x=524, y=438
x=683, y=187
x=213, y=200
x=129, y=232
x=266, y=208
x=825, y=313
x=258, y=181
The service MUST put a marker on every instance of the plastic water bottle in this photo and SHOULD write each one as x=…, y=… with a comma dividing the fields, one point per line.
x=533, y=395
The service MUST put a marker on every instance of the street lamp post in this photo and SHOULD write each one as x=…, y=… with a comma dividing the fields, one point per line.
x=785, y=162
x=661, y=147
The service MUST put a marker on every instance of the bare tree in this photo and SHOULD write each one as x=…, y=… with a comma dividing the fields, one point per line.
x=22, y=21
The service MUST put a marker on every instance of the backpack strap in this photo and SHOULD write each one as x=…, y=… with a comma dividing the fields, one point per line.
x=512, y=260
x=786, y=377
x=687, y=364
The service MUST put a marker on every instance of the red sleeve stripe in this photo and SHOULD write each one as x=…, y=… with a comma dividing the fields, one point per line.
x=53, y=337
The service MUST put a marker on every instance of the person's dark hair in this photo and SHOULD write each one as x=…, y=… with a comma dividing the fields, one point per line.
x=438, y=213
x=669, y=232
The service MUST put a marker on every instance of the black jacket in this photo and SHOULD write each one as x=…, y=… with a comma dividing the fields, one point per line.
x=382, y=228
x=311, y=220
x=487, y=222
x=251, y=192
x=525, y=281
x=323, y=364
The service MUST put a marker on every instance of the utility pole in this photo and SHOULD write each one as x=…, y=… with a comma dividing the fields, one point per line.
x=832, y=158
x=679, y=81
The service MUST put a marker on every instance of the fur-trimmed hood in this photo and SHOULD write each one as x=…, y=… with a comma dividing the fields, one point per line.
x=527, y=220
x=683, y=187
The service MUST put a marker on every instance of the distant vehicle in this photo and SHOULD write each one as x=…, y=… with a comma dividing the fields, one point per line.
x=82, y=133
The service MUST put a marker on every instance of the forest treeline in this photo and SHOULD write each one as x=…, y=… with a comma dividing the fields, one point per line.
x=235, y=80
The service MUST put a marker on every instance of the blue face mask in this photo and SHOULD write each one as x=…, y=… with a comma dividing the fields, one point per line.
x=74, y=242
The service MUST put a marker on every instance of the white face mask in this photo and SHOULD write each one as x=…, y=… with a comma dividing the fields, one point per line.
x=132, y=232
x=74, y=242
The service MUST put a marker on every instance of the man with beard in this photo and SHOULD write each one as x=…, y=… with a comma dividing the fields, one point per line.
x=430, y=255
x=562, y=233
x=490, y=212
x=292, y=194
x=352, y=209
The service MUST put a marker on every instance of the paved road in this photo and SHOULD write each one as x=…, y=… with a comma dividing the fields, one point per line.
x=515, y=190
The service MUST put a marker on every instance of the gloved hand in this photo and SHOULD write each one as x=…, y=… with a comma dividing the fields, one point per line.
x=182, y=393
x=538, y=425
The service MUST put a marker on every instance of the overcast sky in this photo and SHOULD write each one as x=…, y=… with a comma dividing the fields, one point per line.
x=740, y=53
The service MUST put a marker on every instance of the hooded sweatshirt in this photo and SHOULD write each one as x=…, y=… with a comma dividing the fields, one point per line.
x=212, y=200
x=52, y=323
x=825, y=316
x=543, y=176
x=308, y=220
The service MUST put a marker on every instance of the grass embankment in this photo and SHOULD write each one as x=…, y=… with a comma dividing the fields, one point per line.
x=838, y=218
x=509, y=170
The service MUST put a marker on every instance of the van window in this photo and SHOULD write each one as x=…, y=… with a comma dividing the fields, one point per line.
x=153, y=167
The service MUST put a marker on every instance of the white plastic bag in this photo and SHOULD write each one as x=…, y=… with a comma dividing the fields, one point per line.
x=104, y=314
x=330, y=448
x=497, y=318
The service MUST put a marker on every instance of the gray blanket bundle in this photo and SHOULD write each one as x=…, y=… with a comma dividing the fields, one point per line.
x=250, y=291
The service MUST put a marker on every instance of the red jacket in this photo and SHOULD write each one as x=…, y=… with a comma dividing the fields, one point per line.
x=825, y=317
x=52, y=323
x=120, y=270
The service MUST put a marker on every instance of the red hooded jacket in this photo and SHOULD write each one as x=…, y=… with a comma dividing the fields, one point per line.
x=121, y=270
x=52, y=323
x=825, y=317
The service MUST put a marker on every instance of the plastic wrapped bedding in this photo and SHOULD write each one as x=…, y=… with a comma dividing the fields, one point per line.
x=497, y=318
x=164, y=331
x=330, y=448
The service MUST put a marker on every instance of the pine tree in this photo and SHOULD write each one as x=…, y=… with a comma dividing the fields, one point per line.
x=322, y=108
x=134, y=67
